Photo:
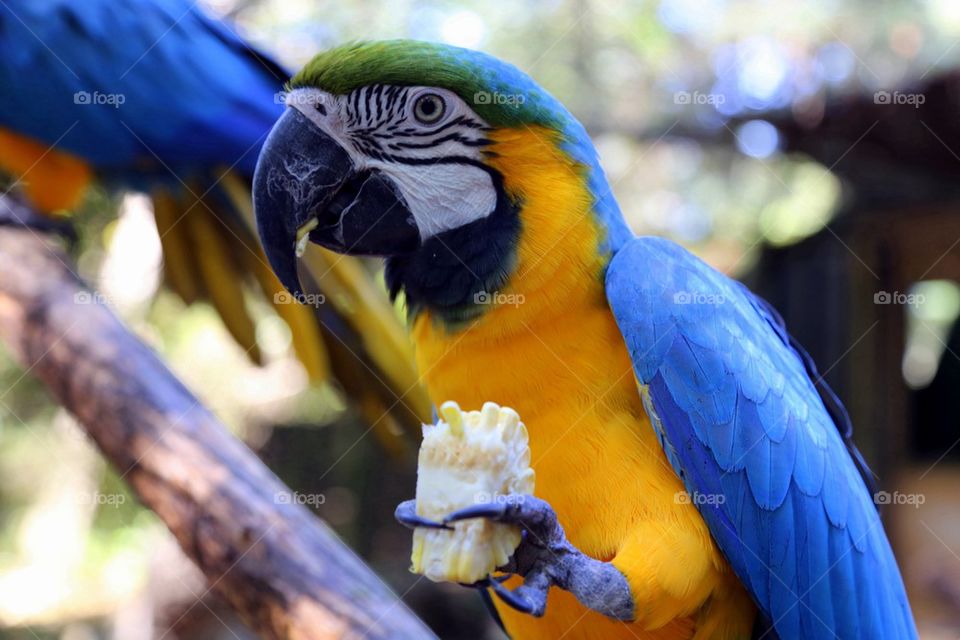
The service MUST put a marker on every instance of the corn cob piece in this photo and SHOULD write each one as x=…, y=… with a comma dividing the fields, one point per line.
x=469, y=457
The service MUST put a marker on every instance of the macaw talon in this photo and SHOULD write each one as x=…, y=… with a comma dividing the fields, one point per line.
x=14, y=213
x=489, y=510
x=406, y=514
x=486, y=583
x=546, y=558
x=534, y=515
x=528, y=598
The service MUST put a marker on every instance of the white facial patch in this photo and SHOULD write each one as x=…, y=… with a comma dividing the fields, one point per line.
x=443, y=196
x=435, y=163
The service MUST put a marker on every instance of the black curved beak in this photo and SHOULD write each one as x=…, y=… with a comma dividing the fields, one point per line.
x=306, y=188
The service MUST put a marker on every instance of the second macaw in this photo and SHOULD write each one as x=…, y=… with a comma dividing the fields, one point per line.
x=158, y=96
x=692, y=480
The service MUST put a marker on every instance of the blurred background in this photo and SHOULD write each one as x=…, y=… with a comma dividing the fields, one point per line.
x=810, y=148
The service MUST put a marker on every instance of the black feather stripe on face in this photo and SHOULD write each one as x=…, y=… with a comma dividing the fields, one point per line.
x=378, y=123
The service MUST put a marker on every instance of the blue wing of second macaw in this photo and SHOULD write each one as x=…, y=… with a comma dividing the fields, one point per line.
x=744, y=427
x=194, y=95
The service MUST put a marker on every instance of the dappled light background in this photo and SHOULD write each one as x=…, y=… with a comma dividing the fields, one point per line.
x=684, y=99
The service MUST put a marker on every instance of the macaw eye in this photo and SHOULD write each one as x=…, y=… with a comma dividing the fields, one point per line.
x=429, y=108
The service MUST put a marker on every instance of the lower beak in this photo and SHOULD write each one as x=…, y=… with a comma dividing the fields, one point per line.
x=306, y=188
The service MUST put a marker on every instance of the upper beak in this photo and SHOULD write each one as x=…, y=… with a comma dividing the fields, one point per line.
x=306, y=188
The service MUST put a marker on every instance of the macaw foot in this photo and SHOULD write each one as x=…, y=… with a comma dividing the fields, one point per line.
x=545, y=558
x=14, y=213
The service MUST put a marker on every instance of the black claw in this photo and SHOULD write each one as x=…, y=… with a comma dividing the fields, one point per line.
x=406, y=514
x=416, y=521
x=484, y=510
x=486, y=583
x=517, y=602
x=483, y=583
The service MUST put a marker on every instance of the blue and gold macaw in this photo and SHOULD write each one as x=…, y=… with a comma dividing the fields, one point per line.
x=692, y=482
x=155, y=95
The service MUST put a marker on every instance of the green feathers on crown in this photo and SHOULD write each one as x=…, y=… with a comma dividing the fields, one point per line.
x=499, y=92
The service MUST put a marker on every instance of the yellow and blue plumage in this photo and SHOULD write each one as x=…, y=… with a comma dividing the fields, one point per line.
x=558, y=359
x=675, y=428
x=158, y=96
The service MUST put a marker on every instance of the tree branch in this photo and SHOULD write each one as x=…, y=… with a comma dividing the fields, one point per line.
x=280, y=567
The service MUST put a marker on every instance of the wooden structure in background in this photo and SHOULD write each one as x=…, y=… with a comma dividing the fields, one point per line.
x=898, y=154
x=825, y=287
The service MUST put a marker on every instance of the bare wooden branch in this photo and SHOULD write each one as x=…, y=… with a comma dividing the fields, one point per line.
x=280, y=567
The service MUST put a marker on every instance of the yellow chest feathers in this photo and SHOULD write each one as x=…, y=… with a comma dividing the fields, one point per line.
x=549, y=347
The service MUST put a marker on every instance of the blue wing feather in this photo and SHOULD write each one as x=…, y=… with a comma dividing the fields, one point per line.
x=194, y=94
x=740, y=416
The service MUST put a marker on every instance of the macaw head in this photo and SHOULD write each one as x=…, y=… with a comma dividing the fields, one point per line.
x=442, y=160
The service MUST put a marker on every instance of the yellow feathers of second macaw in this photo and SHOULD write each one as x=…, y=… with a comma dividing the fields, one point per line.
x=53, y=180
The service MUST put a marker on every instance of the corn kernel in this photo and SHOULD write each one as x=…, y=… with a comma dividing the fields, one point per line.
x=469, y=457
